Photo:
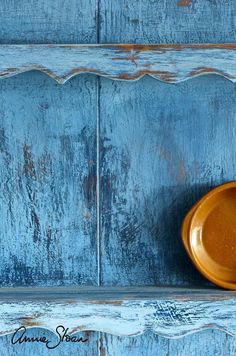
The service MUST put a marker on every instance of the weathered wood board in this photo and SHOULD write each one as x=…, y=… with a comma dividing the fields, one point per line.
x=48, y=21
x=167, y=63
x=107, y=21
x=163, y=148
x=208, y=342
x=48, y=181
x=170, y=21
x=166, y=21
x=127, y=311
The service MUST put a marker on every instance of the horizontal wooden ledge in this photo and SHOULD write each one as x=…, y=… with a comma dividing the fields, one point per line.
x=171, y=63
x=109, y=293
x=123, y=311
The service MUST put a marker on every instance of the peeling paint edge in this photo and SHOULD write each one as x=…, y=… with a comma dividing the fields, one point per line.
x=127, y=78
x=172, y=335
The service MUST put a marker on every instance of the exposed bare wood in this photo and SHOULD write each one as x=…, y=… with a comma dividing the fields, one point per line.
x=168, y=63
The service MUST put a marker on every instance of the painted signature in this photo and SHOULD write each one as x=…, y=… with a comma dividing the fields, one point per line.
x=20, y=337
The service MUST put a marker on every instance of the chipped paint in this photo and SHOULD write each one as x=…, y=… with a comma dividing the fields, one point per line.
x=168, y=63
x=29, y=321
x=29, y=168
x=162, y=312
x=184, y=3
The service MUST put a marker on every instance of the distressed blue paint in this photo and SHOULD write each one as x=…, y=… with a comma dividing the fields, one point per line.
x=41, y=109
x=127, y=311
x=164, y=21
x=28, y=349
x=205, y=343
x=161, y=22
x=163, y=147
x=145, y=22
x=47, y=21
x=168, y=63
x=48, y=181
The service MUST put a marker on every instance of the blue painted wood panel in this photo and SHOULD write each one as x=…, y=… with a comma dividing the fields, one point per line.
x=170, y=21
x=164, y=146
x=47, y=21
x=167, y=21
x=48, y=181
x=88, y=348
x=58, y=125
x=206, y=343
x=145, y=22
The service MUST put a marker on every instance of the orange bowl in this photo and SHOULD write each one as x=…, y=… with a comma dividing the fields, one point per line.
x=209, y=235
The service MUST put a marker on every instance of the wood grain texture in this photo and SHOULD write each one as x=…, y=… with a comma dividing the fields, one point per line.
x=48, y=21
x=167, y=312
x=147, y=22
x=168, y=63
x=102, y=294
x=48, y=181
x=161, y=151
x=153, y=22
x=88, y=348
x=164, y=21
x=205, y=343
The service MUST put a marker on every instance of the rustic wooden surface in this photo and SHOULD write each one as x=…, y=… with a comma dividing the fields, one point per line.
x=164, y=22
x=106, y=21
x=45, y=22
x=109, y=293
x=208, y=342
x=158, y=158
x=136, y=212
x=168, y=63
x=48, y=198
x=127, y=311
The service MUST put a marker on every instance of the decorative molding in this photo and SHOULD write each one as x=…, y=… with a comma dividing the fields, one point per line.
x=169, y=312
x=123, y=311
x=168, y=63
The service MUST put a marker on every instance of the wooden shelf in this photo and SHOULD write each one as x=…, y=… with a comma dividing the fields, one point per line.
x=165, y=62
x=169, y=312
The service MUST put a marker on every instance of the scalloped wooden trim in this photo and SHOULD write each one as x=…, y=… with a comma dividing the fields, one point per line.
x=123, y=311
x=170, y=313
x=168, y=63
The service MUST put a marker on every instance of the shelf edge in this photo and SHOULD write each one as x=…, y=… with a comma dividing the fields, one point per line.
x=169, y=313
x=128, y=62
